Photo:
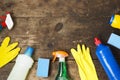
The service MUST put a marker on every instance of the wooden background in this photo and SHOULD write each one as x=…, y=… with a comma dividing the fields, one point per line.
x=49, y=25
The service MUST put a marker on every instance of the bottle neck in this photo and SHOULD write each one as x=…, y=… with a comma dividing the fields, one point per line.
x=61, y=59
x=62, y=71
x=99, y=45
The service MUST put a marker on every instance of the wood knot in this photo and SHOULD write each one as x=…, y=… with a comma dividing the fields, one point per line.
x=58, y=27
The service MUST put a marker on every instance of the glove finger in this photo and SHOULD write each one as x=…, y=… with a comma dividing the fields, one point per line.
x=12, y=54
x=78, y=58
x=79, y=49
x=88, y=50
x=75, y=55
x=8, y=57
x=14, y=51
x=5, y=42
x=87, y=55
x=11, y=46
x=74, y=52
x=89, y=58
x=83, y=49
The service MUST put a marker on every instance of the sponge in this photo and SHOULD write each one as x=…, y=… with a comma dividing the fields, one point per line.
x=114, y=40
x=43, y=67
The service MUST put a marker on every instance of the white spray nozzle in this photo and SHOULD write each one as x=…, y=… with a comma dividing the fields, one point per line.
x=9, y=21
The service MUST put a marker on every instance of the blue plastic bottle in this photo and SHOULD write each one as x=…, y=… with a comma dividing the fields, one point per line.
x=107, y=60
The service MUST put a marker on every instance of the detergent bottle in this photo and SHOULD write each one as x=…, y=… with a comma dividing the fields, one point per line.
x=107, y=60
x=23, y=63
x=62, y=71
x=115, y=21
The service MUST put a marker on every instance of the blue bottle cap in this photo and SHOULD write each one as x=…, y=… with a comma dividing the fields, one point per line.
x=29, y=51
x=111, y=20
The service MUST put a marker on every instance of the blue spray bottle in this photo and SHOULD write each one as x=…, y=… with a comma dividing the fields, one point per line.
x=107, y=60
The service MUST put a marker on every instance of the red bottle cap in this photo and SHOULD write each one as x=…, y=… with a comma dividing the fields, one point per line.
x=97, y=41
x=3, y=24
x=7, y=12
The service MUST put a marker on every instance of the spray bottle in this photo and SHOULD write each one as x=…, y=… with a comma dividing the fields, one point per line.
x=107, y=60
x=23, y=63
x=62, y=71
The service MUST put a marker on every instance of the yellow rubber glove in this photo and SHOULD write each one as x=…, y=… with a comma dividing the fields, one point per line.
x=85, y=64
x=8, y=52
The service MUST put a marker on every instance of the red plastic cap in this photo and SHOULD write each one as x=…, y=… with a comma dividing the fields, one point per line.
x=97, y=41
x=3, y=24
x=7, y=12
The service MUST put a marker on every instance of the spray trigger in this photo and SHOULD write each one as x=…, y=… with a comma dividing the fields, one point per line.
x=59, y=54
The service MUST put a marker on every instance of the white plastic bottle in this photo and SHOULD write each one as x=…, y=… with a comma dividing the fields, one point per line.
x=23, y=63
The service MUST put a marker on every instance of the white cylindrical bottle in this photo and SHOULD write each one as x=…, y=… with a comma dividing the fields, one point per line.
x=22, y=66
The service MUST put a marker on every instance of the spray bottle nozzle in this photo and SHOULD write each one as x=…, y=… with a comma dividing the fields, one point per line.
x=97, y=41
x=6, y=21
x=59, y=54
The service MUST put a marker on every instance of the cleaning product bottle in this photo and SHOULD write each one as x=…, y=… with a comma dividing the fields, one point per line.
x=107, y=60
x=62, y=71
x=115, y=21
x=23, y=64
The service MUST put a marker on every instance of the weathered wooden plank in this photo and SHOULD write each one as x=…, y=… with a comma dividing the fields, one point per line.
x=55, y=8
x=101, y=8
x=44, y=8
x=72, y=70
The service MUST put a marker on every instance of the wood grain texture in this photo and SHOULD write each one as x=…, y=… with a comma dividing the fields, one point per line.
x=49, y=25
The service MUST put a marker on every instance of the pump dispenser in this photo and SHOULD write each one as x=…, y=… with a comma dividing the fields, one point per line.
x=23, y=63
x=62, y=71
x=107, y=60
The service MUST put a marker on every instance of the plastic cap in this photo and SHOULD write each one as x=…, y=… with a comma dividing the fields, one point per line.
x=97, y=41
x=3, y=24
x=111, y=20
x=29, y=51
